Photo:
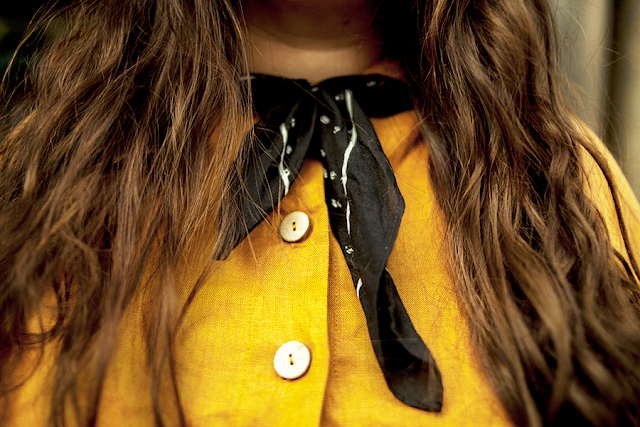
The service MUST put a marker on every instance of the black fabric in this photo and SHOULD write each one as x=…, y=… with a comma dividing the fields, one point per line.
x=299, y=119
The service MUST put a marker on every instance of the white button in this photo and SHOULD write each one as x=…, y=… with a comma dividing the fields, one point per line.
x=292, y=360
x=294, y=226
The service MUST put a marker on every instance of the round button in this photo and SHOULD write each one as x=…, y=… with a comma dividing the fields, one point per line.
x=292, y=360
x=294, y=226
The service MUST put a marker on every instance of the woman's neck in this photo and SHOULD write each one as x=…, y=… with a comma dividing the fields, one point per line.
x=311, y=39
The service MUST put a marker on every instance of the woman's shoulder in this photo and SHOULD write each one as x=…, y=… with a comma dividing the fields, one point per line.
x=610, y=191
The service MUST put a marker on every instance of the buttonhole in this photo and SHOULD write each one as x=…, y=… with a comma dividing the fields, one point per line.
x=291, y=358
x=294, y=226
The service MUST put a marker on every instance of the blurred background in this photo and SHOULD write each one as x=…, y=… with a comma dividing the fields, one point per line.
x=600, y=58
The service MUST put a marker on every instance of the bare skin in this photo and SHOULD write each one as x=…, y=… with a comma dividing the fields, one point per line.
x=311, y=39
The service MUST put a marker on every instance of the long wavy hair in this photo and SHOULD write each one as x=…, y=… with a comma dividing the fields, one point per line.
x=117, y=163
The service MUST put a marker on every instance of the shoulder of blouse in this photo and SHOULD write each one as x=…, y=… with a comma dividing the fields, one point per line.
x=600, y=192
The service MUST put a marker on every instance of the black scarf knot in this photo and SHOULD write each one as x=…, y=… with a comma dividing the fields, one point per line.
x=324, y=121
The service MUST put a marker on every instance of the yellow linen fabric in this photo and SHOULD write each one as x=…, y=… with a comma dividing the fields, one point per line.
x=269, y=292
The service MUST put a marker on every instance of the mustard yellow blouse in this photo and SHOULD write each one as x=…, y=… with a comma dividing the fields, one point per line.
x=269, y=292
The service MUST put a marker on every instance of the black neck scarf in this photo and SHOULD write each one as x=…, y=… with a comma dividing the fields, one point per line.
x=324, y=121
